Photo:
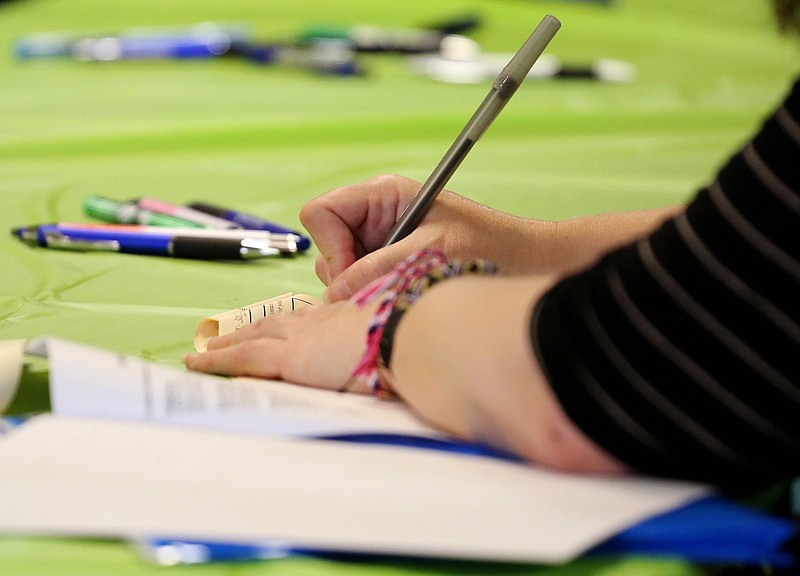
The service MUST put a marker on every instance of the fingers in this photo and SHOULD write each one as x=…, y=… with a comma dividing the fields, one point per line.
x=332, y=220
x=250, y=351
x=273, y=326
x=349, y=222
x=364, y=271
x=256, y=357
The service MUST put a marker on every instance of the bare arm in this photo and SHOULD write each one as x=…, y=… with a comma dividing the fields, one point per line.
x=349, y=226
x=462, y=359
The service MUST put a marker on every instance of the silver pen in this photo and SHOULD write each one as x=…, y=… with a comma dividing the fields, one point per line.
x=503, y=88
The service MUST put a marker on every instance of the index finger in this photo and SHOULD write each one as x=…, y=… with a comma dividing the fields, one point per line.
x=350, y=222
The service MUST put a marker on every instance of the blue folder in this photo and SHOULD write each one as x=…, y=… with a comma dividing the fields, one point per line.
x=709, y=531
x=712, y=530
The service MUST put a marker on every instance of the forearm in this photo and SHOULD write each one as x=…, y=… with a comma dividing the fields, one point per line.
x=462, y=359
x=532, y=246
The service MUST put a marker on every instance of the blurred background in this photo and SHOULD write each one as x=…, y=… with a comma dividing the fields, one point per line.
x=692, y=80
x=637, y=104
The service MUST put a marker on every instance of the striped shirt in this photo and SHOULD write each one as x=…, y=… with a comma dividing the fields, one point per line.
x=680, y=354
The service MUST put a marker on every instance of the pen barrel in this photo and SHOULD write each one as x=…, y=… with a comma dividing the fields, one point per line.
x=522, y=62
x=502, y=90
x=206, y=248
x=416, y=210
x=250, y=222
x=54, y=236
x=134, y=244
x=112, y=211
x=244, y=220
x=196, y=217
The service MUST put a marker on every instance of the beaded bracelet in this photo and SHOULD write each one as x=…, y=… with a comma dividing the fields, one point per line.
x=396, y=292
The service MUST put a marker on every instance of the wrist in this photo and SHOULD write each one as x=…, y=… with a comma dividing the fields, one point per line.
x=387, y=338
x=392, y=295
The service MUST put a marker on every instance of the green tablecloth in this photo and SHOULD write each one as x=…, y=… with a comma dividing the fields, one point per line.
x=267, y=139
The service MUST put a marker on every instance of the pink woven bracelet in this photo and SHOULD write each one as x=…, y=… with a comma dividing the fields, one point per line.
x=397, y=291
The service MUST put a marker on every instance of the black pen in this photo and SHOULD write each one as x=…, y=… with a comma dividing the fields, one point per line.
x=176, y=244
x=502, y=90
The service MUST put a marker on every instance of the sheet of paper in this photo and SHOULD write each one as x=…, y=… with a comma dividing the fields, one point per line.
x=70, y=476
x=86, y=381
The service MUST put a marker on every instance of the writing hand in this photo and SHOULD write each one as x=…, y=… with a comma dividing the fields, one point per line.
x=350, y=224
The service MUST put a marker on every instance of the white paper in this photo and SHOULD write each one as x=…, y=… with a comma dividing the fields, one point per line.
x=86, y=381
x=68, y=476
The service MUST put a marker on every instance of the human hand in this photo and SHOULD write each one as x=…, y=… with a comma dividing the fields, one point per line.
x=316, y=346
x=350, y=224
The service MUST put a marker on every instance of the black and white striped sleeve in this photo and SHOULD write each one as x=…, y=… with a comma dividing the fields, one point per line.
x=680, y=354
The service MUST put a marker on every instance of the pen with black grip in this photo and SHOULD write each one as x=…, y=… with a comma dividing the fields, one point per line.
x=153, y=243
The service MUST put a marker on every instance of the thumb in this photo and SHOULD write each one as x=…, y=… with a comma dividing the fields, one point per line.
x=363, y=271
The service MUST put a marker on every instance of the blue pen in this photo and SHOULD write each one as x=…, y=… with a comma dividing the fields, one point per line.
x=122, y=48
x=177, y=551
x=249, y=222
x=202, y=40
x=174, y=244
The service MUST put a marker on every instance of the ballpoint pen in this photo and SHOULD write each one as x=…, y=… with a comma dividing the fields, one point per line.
x=185, y=213
x=128, y=48
x=249, y=221
x=178, y=244
x=286, y=243
x=108, y=210
x=205, y=39
x=502, y=90
x=333, y=57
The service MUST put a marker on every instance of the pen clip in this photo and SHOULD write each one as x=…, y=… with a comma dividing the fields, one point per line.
x=279, y=243
x=63, y=242
x=257, y=248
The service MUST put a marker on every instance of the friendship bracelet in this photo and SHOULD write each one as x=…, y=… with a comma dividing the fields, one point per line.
x=387, y=338
x=396, y=292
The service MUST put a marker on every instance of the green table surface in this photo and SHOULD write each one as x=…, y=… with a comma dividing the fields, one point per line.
x=266, y=140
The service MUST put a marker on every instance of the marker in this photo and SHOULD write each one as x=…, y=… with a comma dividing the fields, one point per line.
x=185, y=213
x=108, y=210
x=328, y=56
x=501, y=92
x=250, y=222
x=416, y=40
x=153, y=244
x=373, y=39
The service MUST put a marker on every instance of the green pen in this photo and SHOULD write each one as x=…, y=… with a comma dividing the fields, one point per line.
x=375, y=38
x=115, y=212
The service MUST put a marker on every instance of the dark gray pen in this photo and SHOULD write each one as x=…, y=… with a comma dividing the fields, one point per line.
x=503, y=88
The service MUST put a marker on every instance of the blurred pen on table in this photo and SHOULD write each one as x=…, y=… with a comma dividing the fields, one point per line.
x=202, y=244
